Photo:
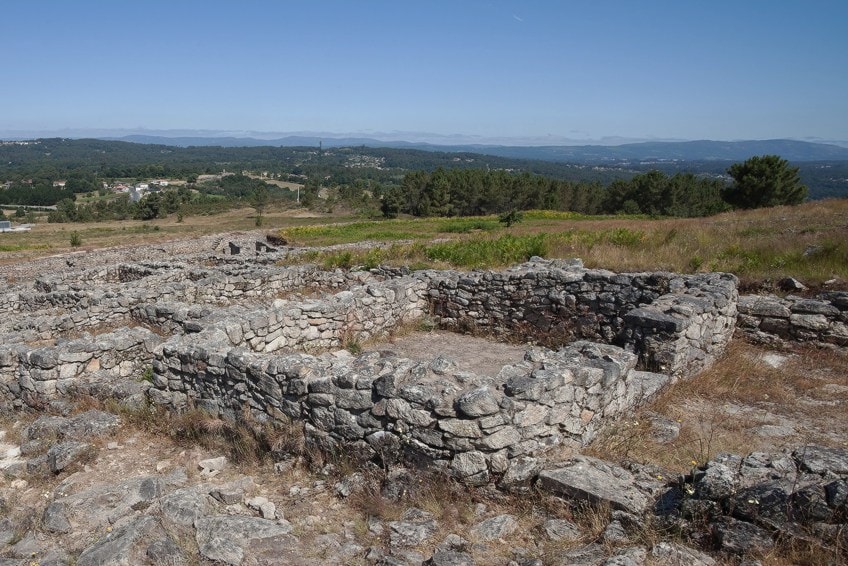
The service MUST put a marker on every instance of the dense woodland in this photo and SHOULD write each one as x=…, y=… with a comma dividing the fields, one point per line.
x=373, y=181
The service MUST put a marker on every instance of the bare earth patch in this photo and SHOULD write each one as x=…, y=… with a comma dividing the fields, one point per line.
x=483, y=356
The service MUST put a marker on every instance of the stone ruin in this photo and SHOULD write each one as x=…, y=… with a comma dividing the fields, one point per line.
x=229, y=333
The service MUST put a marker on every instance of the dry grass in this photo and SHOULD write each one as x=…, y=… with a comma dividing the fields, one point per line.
x=48, y=239
x=808, y=241
x=724, y=408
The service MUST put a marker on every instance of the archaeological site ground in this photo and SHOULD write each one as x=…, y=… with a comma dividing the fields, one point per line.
x=226, y=399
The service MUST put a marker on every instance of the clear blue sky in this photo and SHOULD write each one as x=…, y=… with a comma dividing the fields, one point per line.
x=687, y=69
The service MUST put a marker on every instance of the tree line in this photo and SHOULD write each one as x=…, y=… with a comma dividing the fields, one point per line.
x=760, y=181
x=464, y=191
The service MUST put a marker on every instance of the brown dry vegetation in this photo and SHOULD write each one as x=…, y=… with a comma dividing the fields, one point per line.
x=47, y=239
x=808, y=241
x=741, y=404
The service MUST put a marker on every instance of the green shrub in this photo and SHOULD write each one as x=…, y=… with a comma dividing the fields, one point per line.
x=465, y=225
x=480, y=253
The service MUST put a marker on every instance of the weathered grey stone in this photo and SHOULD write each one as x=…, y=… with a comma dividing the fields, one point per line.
x=561, y=529
x=738, y=537
x=614, y=533
x=187, y=505
x=91, y=424
x=520, y=474
x=228, y=495
x=810, y=306
x=466, y=464
x=450, y=558
x=213, y=464
x=7, y=531
x=27, y=547
x=821, y=460
x=632, y=556
x=596, y=481
x=226, y=538
x=495, y=528
x=652, y=318
x=592, y=554
x=663, y=429
x=763, y=307
x=454, y=542
x=465, y=428
x=62, y=455
x=267, y=509
x=716, y=482
x=478, y=403
x=791, y=284
x=837, y=494
x=675, y=554
x=815, y=322
x=504, y=437
x=166, y=551
x=46, y=427
x=55, y=519
x=121, y=546
x=415, y=527
x=350, y=484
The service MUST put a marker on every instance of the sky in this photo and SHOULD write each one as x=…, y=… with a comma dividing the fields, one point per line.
x=461, y=69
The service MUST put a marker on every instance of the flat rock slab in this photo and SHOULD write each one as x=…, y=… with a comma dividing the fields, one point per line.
x=226, y=538
x=496, y=527
x=596, y=481
x=122, y=546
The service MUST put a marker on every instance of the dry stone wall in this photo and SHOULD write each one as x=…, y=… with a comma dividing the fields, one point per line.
x=233, y=333
x=380, y=405
x=475, y=426
x=675, y=323
x=102, y=364
x=822, y=321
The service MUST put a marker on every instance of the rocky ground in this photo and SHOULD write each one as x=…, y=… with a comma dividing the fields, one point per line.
x=747, y=463
x=99, y=487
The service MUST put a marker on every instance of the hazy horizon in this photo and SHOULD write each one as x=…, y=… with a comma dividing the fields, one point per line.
x=388, y=137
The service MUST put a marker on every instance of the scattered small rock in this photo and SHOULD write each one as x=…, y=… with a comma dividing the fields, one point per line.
x=450, y=558
x=213, y=465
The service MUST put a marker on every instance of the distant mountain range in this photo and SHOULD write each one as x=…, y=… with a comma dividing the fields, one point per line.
x=703, y=150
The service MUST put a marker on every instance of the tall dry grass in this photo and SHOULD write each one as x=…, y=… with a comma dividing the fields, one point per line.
x=809, y=242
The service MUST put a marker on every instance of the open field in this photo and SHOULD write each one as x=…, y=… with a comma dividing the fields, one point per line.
x=809, y=242
x=277, y=183
x=48, y=239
